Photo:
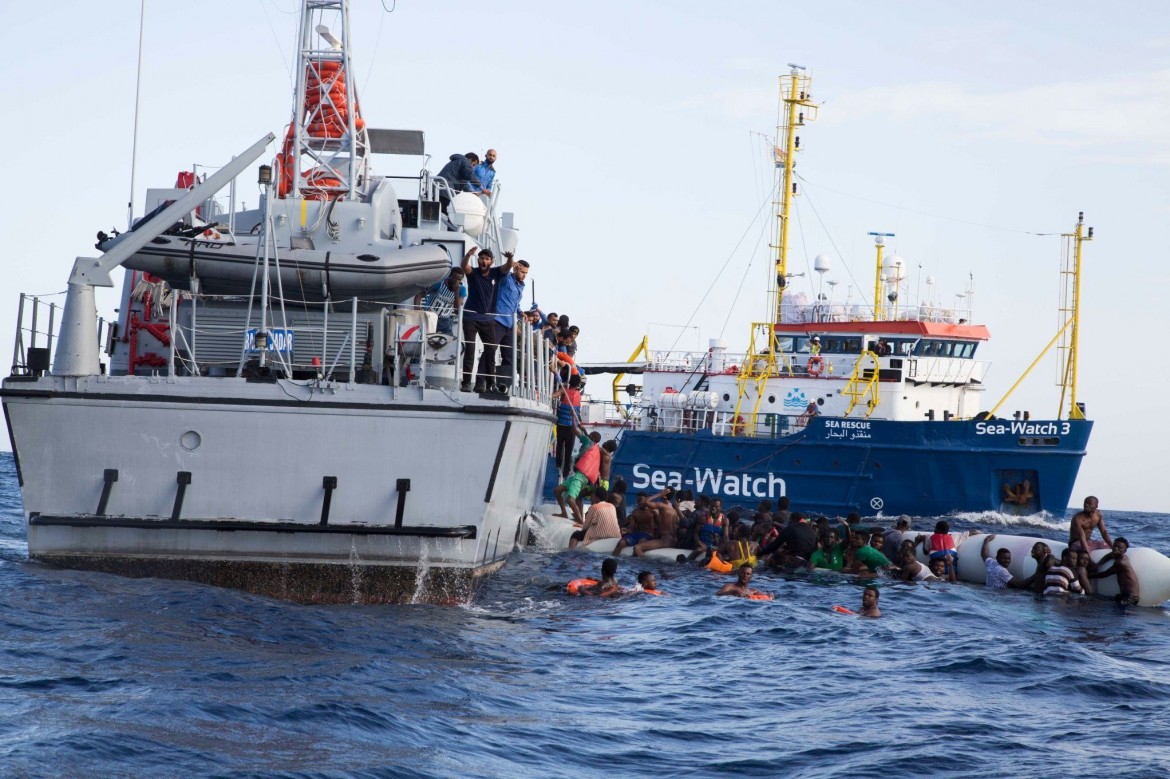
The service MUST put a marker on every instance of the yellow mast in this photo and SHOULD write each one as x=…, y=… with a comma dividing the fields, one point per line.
x=794, y=95
x=1073, y=307
x=796, y=107
x=879, y=240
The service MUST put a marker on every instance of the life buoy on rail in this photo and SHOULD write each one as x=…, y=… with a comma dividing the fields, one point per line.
x=815, y=366
x=738, y=425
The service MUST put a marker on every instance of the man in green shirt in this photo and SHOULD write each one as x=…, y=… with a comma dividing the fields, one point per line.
x=863, y=558
x=830, y=554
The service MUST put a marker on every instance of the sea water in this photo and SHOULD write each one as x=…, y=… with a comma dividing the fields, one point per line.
x=102, y=676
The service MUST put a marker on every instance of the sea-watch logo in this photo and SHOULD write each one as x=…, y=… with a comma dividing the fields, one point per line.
x=796, y=399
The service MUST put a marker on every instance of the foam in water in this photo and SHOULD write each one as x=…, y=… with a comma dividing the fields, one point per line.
x=420, y=574
x=355, y=572
x=1041, y=520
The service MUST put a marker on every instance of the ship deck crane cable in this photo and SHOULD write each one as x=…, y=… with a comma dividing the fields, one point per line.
x=699, y=305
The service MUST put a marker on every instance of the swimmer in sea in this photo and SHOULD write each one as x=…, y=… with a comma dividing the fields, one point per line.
x=1080, y=530
x=1127, y=581
x=608, y=586
x=740, y=588
x=869, y=603
x=647, y=584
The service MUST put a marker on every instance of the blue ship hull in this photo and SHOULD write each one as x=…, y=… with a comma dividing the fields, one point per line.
x=835, y=466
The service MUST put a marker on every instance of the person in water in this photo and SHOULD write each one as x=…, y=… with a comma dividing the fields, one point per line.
x=1061, y=579
x=648, y=584
x=740, y=588
x=998, y=575
x=1081, y=528
x=860, y=557
x=608, y=587
x=869, y=603
x=910, y=570
x=1127, y=581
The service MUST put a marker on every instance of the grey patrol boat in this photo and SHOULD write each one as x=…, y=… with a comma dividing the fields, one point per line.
x=279, y=406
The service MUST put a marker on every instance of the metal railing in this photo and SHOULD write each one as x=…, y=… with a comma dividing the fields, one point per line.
x=678, y=420
x=36, y=330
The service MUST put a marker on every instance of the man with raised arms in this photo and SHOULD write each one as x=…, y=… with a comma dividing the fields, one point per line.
x=740, y=588
x=1127, y=581
x=1080, y=530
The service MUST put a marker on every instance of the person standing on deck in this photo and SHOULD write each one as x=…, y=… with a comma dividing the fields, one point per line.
x=509, y=292
x=486, y=172
x=479, y=316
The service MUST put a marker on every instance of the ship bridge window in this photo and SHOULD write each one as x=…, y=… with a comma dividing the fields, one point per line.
x=902, y=346
x=966, y=350
x=1039, y=441
x=840, y=344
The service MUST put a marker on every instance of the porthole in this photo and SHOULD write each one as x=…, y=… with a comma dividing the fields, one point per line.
x=190, y=440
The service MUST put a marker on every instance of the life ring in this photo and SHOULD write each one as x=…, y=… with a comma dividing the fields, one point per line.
x=843, y=610
x=760, y=596
x=815, y=366
x=738, y=425
x=574, y=587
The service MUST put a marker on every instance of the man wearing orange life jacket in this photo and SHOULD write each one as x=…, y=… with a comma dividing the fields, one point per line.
x=585, y=471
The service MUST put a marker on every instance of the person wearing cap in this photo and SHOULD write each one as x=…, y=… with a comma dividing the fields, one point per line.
x=893, y=537
x=814, y=346
x=807, y=415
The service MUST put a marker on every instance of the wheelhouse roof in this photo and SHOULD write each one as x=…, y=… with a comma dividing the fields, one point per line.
x=914, y=329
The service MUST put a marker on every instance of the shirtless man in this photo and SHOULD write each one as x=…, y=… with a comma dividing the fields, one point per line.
x=607, y=450
x=1127, y=580
x=642, y=523
x=740, y=588
x=869, y=603
x=665, y=526
x=1080, y=531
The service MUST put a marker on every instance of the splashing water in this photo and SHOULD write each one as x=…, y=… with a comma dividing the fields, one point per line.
x=420, y=574
x=355, y=572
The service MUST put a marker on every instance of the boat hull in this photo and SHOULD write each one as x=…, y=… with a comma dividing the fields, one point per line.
x=348, y=495
x=835, y=466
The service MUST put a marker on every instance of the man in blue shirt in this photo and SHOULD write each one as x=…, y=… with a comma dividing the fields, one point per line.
x=479, y=316
x=486, y=173
x=509, y=292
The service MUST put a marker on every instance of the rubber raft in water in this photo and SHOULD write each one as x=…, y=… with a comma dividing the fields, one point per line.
x=1151, y=566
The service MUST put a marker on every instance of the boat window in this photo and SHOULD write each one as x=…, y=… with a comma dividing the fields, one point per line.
x=903, y=346
x=841, y=344
x=785, y=343
x=924, y=348
x=943, y=349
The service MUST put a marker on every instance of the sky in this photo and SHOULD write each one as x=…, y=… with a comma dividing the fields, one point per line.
x=633, y=140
